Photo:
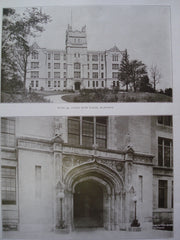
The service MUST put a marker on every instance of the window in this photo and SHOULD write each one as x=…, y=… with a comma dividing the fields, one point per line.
x=102, y=66
x=88, y=66
x=77, y=66
x=7, y=132
x=115, y=57
x=102, y=75
x=95, y=75
x=114, y=83
x=64, y=65
x=37, y=83
x=8, y=175
x=102, y=57
x=35, y=55
x=49, y=56
x=49, y=74
x=34, y=74
x=74, y=130
x=87, y=131
x=54, y=83
x=38, y=182
x=56, y=56
x=95, y=66
x=32, y=83
x=96, y=83
x=64, y=57
x=58, y=83
x=77, y=74
x=34, y=65
x=102, y=83
x=165, y=120
x=165, y=156
x=94, y=57
x=172, y=195
x=88, y=83
x=49, y=65
x=64, y=74
x=56, y=65
x=117, y=83
x=115, y=74
x=141, y=188
x=115, y=66
x=88, y=75
x=93, y=83
x=64, y=83
x=88, y=57
x=56, y=74
x=49, y=83
x=162, y=194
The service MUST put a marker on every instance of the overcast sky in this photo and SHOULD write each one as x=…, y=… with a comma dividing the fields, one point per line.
x=144, y=30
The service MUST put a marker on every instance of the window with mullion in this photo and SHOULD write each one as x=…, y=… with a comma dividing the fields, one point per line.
x=8, y=185
x=87, y=131
x=74, y=130
x=101, y=135
x=7, y=132
x=165, y=152
x=162, y=199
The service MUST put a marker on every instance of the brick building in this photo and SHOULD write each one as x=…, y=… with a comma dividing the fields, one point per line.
x=71, y=172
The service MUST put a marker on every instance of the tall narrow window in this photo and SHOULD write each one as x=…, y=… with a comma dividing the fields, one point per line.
x=7, y=132
x=74, y=130
x=88, y=131
x=172, y=195
x=38, y=182
x=101, y=132
x=162, y=201
x=8, y=185
x=165, y=152
x=141, y=188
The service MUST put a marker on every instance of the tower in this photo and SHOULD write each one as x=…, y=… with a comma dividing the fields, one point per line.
x=76, y=52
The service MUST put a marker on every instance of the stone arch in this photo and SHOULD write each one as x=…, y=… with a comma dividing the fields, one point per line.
x=112, y=185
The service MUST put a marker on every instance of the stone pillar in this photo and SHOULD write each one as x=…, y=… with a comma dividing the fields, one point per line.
x=129, y=156
x=117, y=210
x=57, y=171
x=109, y=213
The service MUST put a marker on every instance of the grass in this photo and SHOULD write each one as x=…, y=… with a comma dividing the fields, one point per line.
x=22, y=98
x=111, y=96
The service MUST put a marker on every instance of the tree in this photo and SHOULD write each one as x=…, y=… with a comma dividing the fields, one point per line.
x=137, y=73
x=124, y=71
x=155, y=76
x=145, y=85
x=17, y=30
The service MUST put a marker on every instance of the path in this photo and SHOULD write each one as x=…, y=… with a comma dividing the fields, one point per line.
x=56, y=98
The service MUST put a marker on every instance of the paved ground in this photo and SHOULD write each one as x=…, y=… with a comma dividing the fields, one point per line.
x=90, y=235
x=56, y=98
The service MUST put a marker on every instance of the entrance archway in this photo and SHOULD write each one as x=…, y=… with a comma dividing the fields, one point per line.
x=88, y=204
x=90, y=188
x=77, y=85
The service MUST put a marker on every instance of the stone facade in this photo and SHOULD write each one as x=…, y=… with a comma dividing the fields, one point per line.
x=75, y=67
x=61, y=185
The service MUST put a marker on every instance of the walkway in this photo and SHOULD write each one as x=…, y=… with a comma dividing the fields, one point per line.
x=56, y=98
x=90, y=234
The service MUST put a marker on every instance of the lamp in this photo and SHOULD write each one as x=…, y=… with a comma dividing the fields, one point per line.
x=135, y=222
x=60, y=195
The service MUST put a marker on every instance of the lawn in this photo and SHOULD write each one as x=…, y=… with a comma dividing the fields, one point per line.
x=22, y=98
x=110, y=96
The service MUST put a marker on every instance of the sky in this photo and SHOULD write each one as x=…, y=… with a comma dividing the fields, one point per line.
x=145, y=31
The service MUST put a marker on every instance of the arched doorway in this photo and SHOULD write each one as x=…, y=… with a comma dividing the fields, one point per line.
x=77, y=85
x=88, y=204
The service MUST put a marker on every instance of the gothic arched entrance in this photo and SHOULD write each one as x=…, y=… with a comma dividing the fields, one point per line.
x=94, y=192
x=88, y=204
x=77, y=85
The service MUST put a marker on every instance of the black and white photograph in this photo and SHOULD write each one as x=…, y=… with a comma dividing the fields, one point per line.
x=67, y=54
x=87, y=177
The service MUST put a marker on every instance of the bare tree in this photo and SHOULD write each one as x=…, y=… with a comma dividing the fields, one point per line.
x=155, y=76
